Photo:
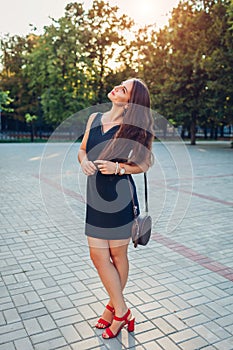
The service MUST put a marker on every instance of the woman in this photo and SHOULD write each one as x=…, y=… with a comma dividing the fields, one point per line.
x=115, y=145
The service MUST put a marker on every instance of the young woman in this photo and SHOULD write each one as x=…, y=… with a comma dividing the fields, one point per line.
x=115, y=145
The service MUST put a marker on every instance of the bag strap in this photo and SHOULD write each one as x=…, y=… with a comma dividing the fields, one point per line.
x=145, y=193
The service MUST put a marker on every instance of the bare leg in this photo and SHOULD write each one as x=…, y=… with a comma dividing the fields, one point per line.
x=113, y=280
x=120, y=260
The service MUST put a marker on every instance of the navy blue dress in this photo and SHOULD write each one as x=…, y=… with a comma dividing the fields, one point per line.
x=109, y=210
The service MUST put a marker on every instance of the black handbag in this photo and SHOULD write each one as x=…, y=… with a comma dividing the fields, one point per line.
x=142, y=224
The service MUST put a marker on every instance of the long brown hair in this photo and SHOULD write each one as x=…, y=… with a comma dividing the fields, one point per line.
x=133, y=140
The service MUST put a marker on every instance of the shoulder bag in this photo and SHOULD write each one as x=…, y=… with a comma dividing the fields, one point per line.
x=142, y=224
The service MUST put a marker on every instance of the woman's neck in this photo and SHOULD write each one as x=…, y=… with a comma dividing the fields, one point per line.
x=115, y=114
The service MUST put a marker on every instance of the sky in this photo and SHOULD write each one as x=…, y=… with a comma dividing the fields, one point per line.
x=17, y=15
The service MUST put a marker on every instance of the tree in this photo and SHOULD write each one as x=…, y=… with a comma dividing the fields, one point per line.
x=79, y=57
x=14, y=51
x=58, y=70
x=70, y=62
x=186, y=85
x=104, y=40
x=188, y=65
x=31, y=120
x=5, y=101
x=219, y=65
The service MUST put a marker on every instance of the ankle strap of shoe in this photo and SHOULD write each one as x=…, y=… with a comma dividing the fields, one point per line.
x=124, y=318
x=110, y=308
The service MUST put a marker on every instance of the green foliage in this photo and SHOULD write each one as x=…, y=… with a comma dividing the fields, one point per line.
x=219, y=65
x=188, y=64
x=30, y=118
x=5, y=101
x=14, y=52
x=69, y=63
x=58, y=71
x=104, y=37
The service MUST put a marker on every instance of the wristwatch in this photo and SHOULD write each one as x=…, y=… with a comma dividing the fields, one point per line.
x=122, y=170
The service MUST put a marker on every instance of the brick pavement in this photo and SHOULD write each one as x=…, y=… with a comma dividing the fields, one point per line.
x=180, y=287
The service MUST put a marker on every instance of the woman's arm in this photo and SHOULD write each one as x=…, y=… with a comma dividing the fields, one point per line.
x=107, y=168
x=88, y=167
x=134, y=169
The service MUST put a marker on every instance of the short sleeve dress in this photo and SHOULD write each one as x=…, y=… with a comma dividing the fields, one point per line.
x=109, y=209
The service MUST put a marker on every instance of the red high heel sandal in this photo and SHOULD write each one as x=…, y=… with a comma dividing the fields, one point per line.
x=103, y=321
x=130, y=325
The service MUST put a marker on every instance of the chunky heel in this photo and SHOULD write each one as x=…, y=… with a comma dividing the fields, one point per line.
x=108, y=334
x=131, y=324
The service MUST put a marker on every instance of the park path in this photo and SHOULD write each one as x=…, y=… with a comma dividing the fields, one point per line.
x=180, y=286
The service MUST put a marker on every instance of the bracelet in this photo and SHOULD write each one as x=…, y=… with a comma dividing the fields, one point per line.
x=117, y=168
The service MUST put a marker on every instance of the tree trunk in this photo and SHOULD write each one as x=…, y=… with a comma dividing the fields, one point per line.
x=182, y=132
x=32, y=132
x=212, y=132
x=193, y=129
x=205, y=133
x=222, y=131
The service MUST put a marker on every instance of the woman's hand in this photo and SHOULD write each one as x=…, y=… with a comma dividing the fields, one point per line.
x=105, y=167
x=88, y=167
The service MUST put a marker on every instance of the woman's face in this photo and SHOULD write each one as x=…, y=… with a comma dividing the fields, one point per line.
x=120, y=94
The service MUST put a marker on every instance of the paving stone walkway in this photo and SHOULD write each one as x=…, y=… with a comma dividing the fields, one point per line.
x=180, y=287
